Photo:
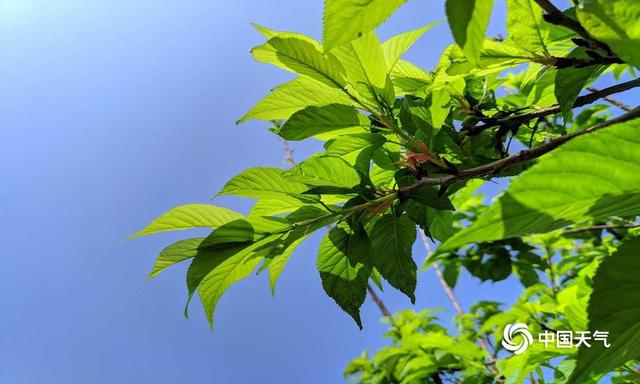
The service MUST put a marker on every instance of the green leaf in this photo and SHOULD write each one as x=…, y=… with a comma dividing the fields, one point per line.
x=614, y=22
x=391, y=241
x=291, y=97
x=569, y=82
x=229, y=271
x=365, y=68
x=429, y=196
x=344, y=145
x=468, y=20
x=343, y=269
x=174, y=254
x=262, y=183
x=277, y=262
x=301, y=55
x=205, y=260
x=346, y=20
x=526, y=26
x=408, y=77
x=515, y=369
x=614, y=307
x=234, y=232
x=189, y=216
x=396, y=46
x=324, y=171
x=275, y=206
x=494, y=57
x=264, y=31
x=593, y=176
x=313, y=121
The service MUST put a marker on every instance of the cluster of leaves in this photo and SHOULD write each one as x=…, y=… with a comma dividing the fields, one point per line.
x=405, y=149
x=556, y=297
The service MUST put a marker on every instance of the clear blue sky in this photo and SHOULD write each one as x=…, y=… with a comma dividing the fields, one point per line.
x=112, y=112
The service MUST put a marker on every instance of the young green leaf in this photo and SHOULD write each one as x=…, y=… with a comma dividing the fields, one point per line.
x=175, y=253
x=468, y=20
x=614, y=307
x=526, y=26
x=347, y=144
x=275, y=206
x=291, y=97
x=303, y=56
x=205, y=260
x=391, y=241
x=591, y=177
x=234, y=232
x=324, y=171
x=277, y=262
x=313, y=121
x=396, y=46
x=189, y=216
x=343, y=267
x=262, y=183
x=229, y=271
x=364, y=64
x=346, y=20
x=408, y=77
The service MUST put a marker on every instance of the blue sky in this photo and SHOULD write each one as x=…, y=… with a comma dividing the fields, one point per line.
x=111, y=113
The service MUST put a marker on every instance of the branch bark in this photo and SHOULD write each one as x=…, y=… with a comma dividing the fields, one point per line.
x=580, y=102
x=602, y=227
x=501, y=165
x=556, y=16
x=612, y=101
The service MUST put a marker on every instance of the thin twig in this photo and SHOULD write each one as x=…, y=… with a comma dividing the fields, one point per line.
x=445, y=286
x=449, y=292
x=612, y=101
x=376, y=299
x=581, y=101
x=288, y=153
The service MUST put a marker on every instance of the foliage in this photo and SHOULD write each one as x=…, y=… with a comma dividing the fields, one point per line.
x=405, y=150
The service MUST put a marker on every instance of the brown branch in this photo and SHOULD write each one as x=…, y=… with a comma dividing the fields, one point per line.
x=450, y=294
x=288, y=153
x=376, y=299
x=612, y=101
x=445, y=287
x=581, y=101
x=498, y=166
x=602, y=227
x=557, y=17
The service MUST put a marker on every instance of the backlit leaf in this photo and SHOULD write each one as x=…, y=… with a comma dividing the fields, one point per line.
x=593, y=176
x=189, y=216
x=346, y=20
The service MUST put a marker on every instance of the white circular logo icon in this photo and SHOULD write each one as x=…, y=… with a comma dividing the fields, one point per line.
x=512, y=330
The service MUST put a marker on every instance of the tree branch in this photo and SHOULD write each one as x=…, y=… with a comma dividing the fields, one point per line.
x=376, y=299
x=501, y=165
x=580, y=102
x=451, y=295
x=557, y=17
x=601, y=227
x=612, y=101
